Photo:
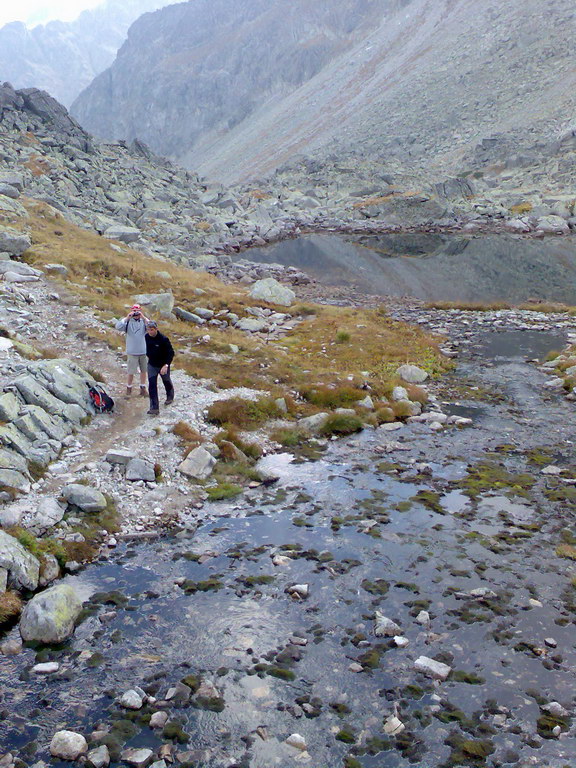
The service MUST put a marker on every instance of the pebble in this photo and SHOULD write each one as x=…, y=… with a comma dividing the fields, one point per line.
x=297, y=741
x=423, y=618
x=355, y=667
x=432, y=668
x=550, y=642
x=393, y=726
x=158, y=720
x=131, y=700
x=299, y=590
x=46, y=668
x=401, y=642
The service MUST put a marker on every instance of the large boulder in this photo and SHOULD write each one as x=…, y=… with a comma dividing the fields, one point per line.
x=12, y=480
x=68, y=745
x=412, y=374
x=49, y=617
x=48, y=513
x=140, y=469
x=9, y=407
x=13, y=242
x=198, y=465
x=272, y=291
x=84, y=497
x=23, y=568
x=161, y=304
x=124, y=234
x=553, y=225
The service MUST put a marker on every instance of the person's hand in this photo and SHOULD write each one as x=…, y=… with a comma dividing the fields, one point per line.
x=164, y=370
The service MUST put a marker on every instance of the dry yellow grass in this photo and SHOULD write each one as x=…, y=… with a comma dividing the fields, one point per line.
x=546, y=307
x=107, y=281
x=521, y=208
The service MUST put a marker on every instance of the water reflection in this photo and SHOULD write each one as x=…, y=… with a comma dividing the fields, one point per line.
x=436, y=267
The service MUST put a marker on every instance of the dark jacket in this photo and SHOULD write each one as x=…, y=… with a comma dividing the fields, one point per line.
x=159, y=350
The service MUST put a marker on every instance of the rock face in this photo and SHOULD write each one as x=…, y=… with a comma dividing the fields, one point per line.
x=208, y=66
x=22, y=567
x=49, y=617
x=63, y=57
x=276, y=48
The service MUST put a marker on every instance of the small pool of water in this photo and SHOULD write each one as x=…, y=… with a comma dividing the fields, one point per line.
x=436, y=267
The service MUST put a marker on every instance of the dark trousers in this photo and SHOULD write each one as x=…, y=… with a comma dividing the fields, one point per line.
x=153, y=384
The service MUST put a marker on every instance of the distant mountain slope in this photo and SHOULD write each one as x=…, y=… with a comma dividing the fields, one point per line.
x=237, y=87
x=64, y=57
x=198, y=69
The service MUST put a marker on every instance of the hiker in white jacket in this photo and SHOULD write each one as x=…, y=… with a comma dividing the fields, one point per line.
x=134, y=326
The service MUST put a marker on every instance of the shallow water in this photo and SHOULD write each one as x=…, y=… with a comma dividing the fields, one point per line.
x=481, y=268
x=362, y=535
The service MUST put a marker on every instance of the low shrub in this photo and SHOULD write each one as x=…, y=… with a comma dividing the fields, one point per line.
x=332, y=397
x=342, y=337
x=417, y=394
x=401, y=409
x=246, y=414
x=10, y=607
x=223, y=491
x=289, y=437
x=341, y=424
x=230, y=435
x=187, y=435
x=385, y=415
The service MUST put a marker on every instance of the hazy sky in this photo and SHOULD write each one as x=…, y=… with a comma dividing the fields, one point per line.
x=39, y=11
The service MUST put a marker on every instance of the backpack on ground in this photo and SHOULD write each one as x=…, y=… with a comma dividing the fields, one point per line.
x=100, y=399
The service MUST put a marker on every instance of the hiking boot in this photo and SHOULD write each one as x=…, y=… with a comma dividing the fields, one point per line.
x=143, y=392
x=128, y=391
x=153, y=412
x=169, y=400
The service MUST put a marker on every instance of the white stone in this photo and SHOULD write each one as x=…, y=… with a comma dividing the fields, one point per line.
x=432, y=668
x=399, y=393
x=139, y=758
x=47, y=668
x=68, y=745
x=297, y=741
x=99, y=757
x=302, y=590
x=131, y=700
x=199, y=464
x=158, y=720
x=400, y=641
x=423, y=618
x=393, y=726
x=385, y=627
x=273, y=292
x=412, y=374
x=551, y=469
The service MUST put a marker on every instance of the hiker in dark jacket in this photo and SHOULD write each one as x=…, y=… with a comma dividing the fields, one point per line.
x=160, y=355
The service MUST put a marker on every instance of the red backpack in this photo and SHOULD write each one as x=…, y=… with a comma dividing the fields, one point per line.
x=100, y=399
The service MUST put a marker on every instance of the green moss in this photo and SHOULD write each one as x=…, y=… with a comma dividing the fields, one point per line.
x=351, y=762
x=253, y=581
x=173, y=732
x=459, y=676
x=96, y=660
x=210, y=703
x=370, y=659
x=223, y=491
x=430, y=499
x=376, y=587
x=208, y=585
x=346, y=735
x=488, y=476
x=281, y=673
x=469, y=752
x=547, y=722
x=192, y=681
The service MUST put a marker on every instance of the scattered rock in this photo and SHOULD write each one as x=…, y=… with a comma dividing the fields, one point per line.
x=99, y=757
x=199, y=464
x=412, y=374
x=297, y=741
x=23, y=568
x=84, y=497
x=431, y=668
x=385, y=627
x=131, y=700
x=68, y=745
x=140, y=469
x=49, y=617
x=273, y=292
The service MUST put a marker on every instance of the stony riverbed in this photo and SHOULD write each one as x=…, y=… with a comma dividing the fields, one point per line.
x=463, y=538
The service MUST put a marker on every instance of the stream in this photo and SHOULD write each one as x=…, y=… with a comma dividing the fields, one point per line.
x=401, y=522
